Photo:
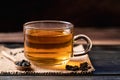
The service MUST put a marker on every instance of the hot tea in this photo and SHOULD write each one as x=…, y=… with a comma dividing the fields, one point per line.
x=48, y=47
x=49, y=43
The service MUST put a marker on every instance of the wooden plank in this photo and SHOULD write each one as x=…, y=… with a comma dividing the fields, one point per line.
x=60, y=77
x=106, y=59
x=105, y=36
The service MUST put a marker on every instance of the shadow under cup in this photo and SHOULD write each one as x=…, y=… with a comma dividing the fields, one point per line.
x=48, y=43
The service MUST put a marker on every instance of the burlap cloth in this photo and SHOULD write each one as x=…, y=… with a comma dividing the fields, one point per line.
x=8, y=68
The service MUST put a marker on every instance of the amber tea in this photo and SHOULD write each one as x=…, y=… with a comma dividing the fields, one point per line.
x=48, y=47
x=50, y=43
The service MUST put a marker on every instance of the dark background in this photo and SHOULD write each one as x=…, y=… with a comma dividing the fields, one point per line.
x=82, y=13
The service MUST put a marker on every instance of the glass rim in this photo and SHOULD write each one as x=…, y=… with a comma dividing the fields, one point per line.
x=49, y=21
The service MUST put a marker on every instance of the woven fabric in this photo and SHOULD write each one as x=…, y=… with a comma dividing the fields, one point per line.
x=8, y=67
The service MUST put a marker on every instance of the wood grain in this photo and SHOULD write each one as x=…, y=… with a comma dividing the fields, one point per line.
x=108, y=36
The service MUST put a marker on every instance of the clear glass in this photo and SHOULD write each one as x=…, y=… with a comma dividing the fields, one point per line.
x=50, y=42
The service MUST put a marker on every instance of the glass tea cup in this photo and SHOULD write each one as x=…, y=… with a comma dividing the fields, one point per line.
x=50, y=42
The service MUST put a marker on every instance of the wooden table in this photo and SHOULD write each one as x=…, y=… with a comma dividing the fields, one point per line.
x=105, y=55
x=105, y=59
x=105, y=36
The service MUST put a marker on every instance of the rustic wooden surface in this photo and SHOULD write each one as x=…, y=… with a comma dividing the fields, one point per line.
x=60, y=77
x=108, y=36
x=105, y=58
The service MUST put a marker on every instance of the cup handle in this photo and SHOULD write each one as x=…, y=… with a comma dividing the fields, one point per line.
x=87, y=39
